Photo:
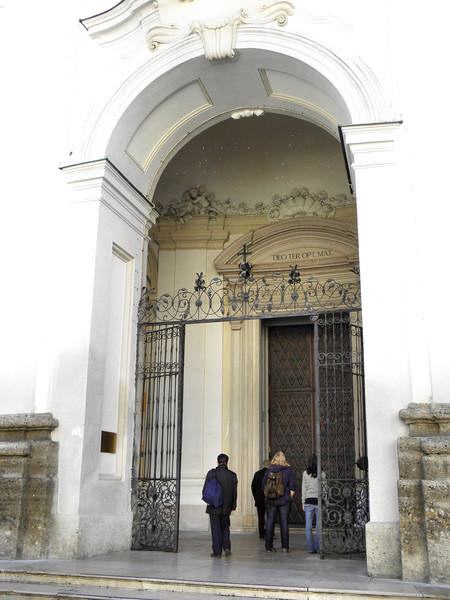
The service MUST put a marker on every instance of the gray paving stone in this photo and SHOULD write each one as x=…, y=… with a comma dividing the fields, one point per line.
x=249, y=564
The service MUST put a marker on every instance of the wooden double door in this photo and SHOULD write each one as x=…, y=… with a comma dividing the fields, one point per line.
x=291, y=400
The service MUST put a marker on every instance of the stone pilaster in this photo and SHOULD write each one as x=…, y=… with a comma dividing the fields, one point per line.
x=28, y=467
x=424, y=493
x=240, y=436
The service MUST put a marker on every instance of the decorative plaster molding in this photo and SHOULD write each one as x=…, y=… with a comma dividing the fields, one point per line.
x=197, y=201
x=247, y=112
x=219, y=35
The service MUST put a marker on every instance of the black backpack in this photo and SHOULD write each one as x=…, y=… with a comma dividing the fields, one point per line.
x=274, y=486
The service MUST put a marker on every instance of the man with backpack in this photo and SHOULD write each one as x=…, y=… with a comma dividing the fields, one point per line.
x=278, y=486
x=220, y=493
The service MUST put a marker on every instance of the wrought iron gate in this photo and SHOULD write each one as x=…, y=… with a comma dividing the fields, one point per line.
x=340, y=435
x=156, y=477
x=341, y=431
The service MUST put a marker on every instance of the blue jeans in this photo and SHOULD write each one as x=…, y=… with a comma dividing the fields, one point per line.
x=312, y=541
x=270, y=524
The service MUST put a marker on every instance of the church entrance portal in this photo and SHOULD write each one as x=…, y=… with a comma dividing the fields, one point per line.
x=316, y=395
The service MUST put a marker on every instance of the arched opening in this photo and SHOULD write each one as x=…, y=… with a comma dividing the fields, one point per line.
x=275, y=186
x=159, y=115
x=140, y=130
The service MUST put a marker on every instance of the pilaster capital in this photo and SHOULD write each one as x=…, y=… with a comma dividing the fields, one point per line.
x=100, y=181
x=371, y=144
x=236, y=325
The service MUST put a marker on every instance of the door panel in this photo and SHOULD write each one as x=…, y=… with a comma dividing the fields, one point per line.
x=291, y=400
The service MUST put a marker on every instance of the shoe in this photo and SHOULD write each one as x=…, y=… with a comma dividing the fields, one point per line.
x=285, y=550
x=271, y=549
x=227, y=552
x=215, y=555
x=313, y=551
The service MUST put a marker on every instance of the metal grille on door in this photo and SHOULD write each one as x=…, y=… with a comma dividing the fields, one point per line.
x=291, y=400
x=340, y=409
x=156, y=481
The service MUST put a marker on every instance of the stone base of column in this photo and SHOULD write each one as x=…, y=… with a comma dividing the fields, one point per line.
x=383, y=550
x=28, y=467
x=424, y=493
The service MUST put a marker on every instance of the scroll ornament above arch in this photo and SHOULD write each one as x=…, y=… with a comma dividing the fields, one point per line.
x=166, y=22
x=218, y=34
x=318, y=246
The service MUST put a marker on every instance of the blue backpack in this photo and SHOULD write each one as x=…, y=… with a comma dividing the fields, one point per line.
x=213, y=493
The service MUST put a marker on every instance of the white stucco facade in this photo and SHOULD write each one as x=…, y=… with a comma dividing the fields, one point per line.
x=93, y=116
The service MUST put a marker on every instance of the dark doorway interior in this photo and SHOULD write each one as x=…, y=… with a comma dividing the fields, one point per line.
x=291, y=400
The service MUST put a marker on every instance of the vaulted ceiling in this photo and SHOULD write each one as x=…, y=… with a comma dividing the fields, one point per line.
x=199, y=93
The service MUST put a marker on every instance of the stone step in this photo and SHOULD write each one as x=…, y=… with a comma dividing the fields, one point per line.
x=22, y=585
x=36, y=591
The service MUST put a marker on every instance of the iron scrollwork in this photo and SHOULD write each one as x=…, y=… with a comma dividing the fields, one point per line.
x=345, y=512
x=155, y=506
x=248, y=296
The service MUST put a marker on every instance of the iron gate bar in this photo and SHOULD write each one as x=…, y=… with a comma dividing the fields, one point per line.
x=287, y=315
x=318, y=438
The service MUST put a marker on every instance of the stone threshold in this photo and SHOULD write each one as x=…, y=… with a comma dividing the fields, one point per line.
x=17, y=584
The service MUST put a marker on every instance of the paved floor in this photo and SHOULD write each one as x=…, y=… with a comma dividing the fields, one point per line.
x=249, y=564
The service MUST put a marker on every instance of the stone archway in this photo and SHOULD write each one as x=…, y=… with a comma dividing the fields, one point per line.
x=371, y=151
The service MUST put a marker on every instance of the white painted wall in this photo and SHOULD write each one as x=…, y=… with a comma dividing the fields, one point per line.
x=202, y=416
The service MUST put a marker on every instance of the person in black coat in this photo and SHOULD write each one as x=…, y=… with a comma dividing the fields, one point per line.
x=220, y=517
x=260, y=501
x=280, y=505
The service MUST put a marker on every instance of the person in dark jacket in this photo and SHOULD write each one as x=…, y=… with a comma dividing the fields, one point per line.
x=260, y=501
x=220, y=517
x=279, y=464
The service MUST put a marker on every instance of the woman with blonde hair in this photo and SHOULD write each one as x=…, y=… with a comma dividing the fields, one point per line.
x=278, y=486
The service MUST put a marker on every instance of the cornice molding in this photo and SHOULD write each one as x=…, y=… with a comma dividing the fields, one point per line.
x=371, y=144
x=101, y=181
x=120, y=20
x=197, y=201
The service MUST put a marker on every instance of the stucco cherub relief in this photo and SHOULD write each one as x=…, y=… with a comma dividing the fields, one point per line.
x=197, y=201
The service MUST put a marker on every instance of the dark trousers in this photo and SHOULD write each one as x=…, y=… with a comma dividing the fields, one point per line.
x=220, y=533
x=261, y=520
x=283, y=512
